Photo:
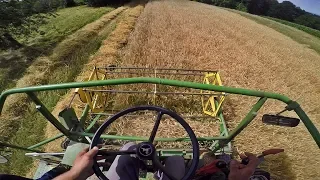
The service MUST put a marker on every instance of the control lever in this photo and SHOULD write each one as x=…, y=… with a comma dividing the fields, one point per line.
x=245, y=161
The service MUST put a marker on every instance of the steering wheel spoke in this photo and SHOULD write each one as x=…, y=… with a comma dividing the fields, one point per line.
x=146, y=150
x=159, y=166
x=156, y=126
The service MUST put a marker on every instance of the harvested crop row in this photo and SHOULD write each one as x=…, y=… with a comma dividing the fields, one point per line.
x=106, y=54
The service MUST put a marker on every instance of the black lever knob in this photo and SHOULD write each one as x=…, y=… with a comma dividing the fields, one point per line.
x=221, y=164
x=245, y=161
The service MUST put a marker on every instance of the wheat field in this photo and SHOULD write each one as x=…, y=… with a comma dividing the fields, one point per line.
x=190, y=35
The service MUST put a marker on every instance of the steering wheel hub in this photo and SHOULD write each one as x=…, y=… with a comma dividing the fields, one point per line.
x=146, y=151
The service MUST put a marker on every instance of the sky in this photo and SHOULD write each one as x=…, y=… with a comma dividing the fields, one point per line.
x=312, y=6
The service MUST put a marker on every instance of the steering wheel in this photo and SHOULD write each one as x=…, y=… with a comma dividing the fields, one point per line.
x=146, y=150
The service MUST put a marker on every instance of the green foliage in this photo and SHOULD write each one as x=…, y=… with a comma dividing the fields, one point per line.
x=212, y=2
x=228, y=4
x=99, y=3
x=81, y=2
x=15, y=13
x=308, y=30
x=69, y=3
x=286, y=11
x=15, y=18
x=259, y=7
x=224, y=3
x=41, y=42
x=241, y=7
x=309, y=20
x=44, y=6
x=61, y=24
x=24, y=17
x=12, y=13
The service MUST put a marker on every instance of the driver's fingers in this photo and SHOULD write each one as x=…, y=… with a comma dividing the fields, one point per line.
x=84, y=151
x=253, y=160
x=92, y=152
x=242, y=156
x=250, y=155
x=234, y=166
x=241, y=166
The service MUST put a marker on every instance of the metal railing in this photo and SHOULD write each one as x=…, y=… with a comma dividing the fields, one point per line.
x=291, y=105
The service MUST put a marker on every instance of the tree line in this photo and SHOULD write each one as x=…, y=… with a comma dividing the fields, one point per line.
x=285, y=10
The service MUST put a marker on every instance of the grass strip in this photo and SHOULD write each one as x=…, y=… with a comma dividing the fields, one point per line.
x=306, y=29
x=292, y=31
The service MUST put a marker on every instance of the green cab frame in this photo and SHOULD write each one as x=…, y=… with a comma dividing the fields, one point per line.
x=223, y=140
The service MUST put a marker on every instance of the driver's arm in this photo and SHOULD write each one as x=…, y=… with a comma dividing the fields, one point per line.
x=82, y=166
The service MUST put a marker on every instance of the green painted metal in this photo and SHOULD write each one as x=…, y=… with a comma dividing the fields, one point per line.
x=46, y=141
x=136, y=138
x=84, y=115
x=93, y=123
x=47, y=114
x=223, y=124
x=223, y=132
x=68, y=118
x=186, y=153
x=243, y=124
x=249, y=117
x=226, y=139
x=295, y=106
x=186, y=84
x=226, y=133
x=2, y=144
x=308, y=123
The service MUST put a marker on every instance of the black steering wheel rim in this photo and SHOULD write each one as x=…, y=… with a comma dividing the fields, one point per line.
x=161, y=110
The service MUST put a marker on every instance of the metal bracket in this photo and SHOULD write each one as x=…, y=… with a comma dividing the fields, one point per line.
x=68, y=118
x=292, y=106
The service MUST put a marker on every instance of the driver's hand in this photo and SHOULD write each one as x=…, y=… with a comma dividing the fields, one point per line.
x=82, y=166
x=240, y=171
